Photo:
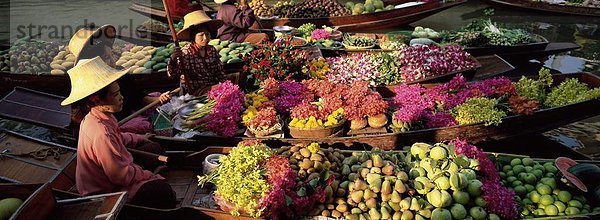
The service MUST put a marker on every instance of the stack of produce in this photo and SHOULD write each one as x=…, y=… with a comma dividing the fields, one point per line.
x=422, y=61
x=353, y=41
x=539, y=193
x=458, y=102
x=62, y=62
x=154, y=26
x=316, y=68
x=231, y=52
x=312, y=9
x=8, y=206
x=261, y=8
x=29, y=56
x=484, y=32
x=138, y=59
x=369, y=6
x=306, y=30
x=421, y=32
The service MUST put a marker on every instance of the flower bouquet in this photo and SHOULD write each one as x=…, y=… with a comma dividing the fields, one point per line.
x=276, y=60
x=365, y=107
x=260, y=117
x=253, y=180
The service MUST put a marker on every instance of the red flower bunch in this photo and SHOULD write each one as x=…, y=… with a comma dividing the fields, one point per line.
x=322, y=88
x=361, y=102
x=276, y=60
x=522, y=105
x=282, y=179
x=270, y=88
x=306, y=109
x=265, y=117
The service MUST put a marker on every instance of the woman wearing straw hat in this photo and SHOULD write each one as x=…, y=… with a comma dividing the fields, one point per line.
x=197, y=63
x=90, y=42
x=237, y=22
x=103, y=163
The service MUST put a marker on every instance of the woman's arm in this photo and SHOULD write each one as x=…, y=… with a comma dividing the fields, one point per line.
x=239, y=17
x=117, y=163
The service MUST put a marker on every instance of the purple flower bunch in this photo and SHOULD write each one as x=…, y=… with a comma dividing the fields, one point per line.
x=225, y=115
x=354, y=67
x=500, y=199
x=320, y=34
x=411, y=105
x=291, y=94
x=422, y=61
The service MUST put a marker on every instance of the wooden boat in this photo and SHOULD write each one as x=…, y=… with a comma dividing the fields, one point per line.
x=195, y=200
x=42, y=204
x=61, y=84
x=371, y=21
x=539, y=6
x=511, y=126
x=53, y=163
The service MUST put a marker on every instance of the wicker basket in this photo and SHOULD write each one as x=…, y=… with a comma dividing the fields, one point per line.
x=318, y=132
x=262, y=133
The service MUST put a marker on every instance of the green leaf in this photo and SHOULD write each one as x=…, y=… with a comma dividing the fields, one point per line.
x=461, y=162
x=301, y=192
x=419, y=185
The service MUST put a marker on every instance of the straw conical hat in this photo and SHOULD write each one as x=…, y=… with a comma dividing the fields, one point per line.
x=90, y=76
x=220, y=1
x=85, y=40
x=197, y=18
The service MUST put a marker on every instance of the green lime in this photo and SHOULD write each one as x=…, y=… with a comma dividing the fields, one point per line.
x=527, y=201
x=502, y=175
x=530, y=178
x=561, y=206
x=517, y=183
x=539, y=167
x=555, y=191
x=538, y=173
x=518, y=169
x=572, y=210
x=546, y=200
x=458, y=211
x=479, y=201
x=551, y=168
x=511, y=179
x=510, y=173
x=576, y=204
x=478, y=213
x=474, y=187
x=506, y=168
x=528, y=169
x=515, y=162
x=550, y=175
x=461, y=197
x=520, y=190
x=544, y=189
x=493, y=216
x=551, y=210
x=535, y=196
x=549, y=181
x=529, y=187
x=539, y=212
x=527, y=161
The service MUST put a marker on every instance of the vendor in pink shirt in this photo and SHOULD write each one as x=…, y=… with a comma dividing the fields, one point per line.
x=103, y=163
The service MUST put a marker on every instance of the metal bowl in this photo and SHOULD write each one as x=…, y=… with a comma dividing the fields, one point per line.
x=283, y=28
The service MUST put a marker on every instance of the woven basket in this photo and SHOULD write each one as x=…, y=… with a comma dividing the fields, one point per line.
x=263, y=133
x=317, y=132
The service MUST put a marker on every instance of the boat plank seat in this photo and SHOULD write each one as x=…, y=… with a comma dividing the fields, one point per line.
x=36, y=107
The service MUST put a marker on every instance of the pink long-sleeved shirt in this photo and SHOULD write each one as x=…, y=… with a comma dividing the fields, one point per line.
x=103, y=163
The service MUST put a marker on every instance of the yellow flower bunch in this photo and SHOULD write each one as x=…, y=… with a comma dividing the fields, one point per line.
x=335, y=117
x=312, y=122
x=253, y=101
x=313, y=148
x=316, y=68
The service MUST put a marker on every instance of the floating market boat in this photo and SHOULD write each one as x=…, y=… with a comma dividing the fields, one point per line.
x=511, y=126
x=43, y=204
x=371, y=21
x=31, y=160
x=541, y=6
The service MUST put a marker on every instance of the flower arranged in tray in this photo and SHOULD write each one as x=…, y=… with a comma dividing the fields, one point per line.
x=358, y=42
x=489, y=101
x=276, y=60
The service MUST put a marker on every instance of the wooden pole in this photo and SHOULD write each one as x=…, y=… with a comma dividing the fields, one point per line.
x=170, y=20
x=145, y=108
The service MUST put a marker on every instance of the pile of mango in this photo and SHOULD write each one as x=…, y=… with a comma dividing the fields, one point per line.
x=231, y=52
x=137, y=58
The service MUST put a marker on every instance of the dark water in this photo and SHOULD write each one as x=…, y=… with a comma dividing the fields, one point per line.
x=56, y=20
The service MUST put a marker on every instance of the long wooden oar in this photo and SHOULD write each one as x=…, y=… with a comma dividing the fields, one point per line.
x=170, y=21
x=145, y=108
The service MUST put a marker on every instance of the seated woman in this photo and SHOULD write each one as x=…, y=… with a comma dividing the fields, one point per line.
x=237, y=22
x=90, y=42
x=197, y=63
x=103, y=163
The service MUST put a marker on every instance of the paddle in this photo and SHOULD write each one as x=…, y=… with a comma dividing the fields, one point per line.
x=145, y=108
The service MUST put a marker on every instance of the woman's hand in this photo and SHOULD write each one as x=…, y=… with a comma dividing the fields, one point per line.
x=146, y=137
x=164, y=98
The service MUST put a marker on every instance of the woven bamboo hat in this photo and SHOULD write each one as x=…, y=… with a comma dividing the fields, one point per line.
x=197, y=18
x=90, y=76
x=220, y=1
x=87, y=41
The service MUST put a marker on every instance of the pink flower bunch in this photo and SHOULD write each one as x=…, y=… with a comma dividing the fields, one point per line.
x=270, y=88
x=291, y=94
x=353, y=67
x=306, y=109
x=500, y=200
x=225, y=115
x=361, y=102
x=282, y=179
x=439, y=120
x=410, y=103
x=320, y=34
x=422, y=61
